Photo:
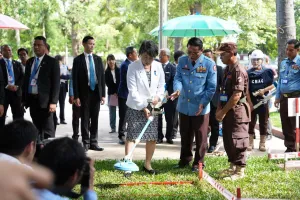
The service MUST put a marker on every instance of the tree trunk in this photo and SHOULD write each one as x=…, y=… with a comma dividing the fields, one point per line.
x=286, y=28
x=75, y=41
x=178, y=44
x=17, y=35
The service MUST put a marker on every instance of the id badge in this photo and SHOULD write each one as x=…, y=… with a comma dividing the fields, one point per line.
x=284, y=81
x=10, y=78
x=223, y=97
x=33, y=82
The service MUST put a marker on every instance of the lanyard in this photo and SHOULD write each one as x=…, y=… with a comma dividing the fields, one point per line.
x=37, y=69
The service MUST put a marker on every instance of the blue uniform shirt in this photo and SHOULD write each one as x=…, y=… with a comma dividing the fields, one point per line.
x=197, y=84
x=289, y=76
x=71, y=92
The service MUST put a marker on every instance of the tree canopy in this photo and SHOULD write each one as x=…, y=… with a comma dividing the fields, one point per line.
x=116, y=24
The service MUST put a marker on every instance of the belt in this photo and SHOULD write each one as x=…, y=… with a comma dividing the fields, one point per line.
x=292, y=94
x=35, y=96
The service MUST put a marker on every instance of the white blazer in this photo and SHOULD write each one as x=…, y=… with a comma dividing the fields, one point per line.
x=138, y=85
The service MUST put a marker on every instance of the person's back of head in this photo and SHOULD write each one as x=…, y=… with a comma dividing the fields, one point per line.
x=66, y=158
x=177, y=55
x=18, y=139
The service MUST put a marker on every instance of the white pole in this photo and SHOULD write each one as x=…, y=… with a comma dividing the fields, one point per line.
x=163, y=17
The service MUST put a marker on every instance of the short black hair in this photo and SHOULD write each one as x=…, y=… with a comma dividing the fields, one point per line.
x=87, y=38
x=129, y=50
x=149, y=47
x=207, y=51
x=194, y=41
x=178, y=54
x=110, y=57
x=58, y=57
x=295, y=42
x=48, y=47
x=22, y=49
x=41, y=38
x=16, y=135
x=63, y=157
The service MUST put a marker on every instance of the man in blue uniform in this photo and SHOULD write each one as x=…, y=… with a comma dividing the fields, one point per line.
x=195, y=85
x=261, y=82
x=288, y=87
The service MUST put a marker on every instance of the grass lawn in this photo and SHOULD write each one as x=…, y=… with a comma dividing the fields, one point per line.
x=264, y=180
x=275, y=118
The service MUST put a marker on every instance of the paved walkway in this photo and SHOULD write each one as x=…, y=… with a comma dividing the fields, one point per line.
x=113, y=150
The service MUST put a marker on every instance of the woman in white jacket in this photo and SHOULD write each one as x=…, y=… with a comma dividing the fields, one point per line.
x=145, y=80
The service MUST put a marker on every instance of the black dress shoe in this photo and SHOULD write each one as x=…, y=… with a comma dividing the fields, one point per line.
x=63, y=122
x=195, y=168
x=170, y=141
x=180, y=166
x=211, y=149
x=96, y=148
x=159, y=141
x=151, y=171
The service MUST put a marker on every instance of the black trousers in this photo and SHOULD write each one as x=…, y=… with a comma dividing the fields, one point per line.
x=288, y=125
x=75, y=121
x=171, y=116
x=14, y=101
x=122, y=113
x=62, y=98
x=214, y=126
x=41, y=118
x=190, y=127
x=89, y=113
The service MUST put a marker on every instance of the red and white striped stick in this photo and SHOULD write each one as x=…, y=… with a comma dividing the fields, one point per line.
x=274, y=156
x=297, y=124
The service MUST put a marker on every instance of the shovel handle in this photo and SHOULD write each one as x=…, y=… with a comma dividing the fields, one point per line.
x=150, y=119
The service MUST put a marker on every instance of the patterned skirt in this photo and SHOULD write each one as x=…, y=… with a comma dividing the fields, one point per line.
x=136, y=121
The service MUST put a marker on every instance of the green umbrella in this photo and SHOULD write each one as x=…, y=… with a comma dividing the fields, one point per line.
x=197, y=26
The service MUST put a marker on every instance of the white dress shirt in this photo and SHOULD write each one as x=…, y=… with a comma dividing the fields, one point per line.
x=88, y=66
x=113, y=72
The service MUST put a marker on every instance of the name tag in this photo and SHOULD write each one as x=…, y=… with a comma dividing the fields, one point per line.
x=10, y=78
x=33, y=82
x=284, y=81
x=224, y=97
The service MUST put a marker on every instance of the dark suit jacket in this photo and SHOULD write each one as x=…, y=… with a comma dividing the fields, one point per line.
x=18, y=73
x=80, y=77
x=216, y=96
x=48, y=81
x=123, y=90
x=109, y=81
x=170, y=71
x=2, y=93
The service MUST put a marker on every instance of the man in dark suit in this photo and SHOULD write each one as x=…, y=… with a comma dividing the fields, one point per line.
x=132, y=56
x=214, y=124
x=41, y=88
x=171, y=114
x=89, y=92
x=13, y=80
x=2, y=95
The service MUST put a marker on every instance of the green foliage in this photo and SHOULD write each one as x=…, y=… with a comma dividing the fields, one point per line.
x=263, y=180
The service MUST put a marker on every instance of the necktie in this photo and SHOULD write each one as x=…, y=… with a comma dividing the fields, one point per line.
x=33, y=73
x=11, y=80
x=163, y=66
x=193, y=63
x=92, y=74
